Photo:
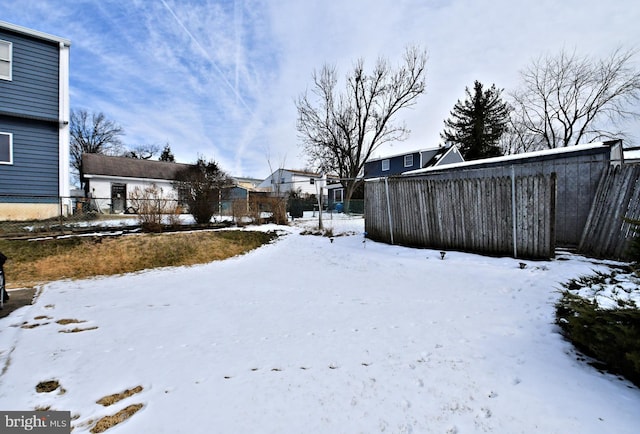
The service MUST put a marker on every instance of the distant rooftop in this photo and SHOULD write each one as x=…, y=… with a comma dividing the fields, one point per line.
x=98, y=164
x=516, y=157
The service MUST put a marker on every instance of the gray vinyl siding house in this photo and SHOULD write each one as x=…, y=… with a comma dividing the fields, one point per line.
x=34, y=123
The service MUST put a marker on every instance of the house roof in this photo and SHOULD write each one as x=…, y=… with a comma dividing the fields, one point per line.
x=549, y=153
x=98, y=164
x=34, y=33
x=303, y=173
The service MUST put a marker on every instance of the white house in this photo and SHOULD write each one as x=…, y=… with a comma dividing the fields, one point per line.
x=109, y=181
x=282, y=181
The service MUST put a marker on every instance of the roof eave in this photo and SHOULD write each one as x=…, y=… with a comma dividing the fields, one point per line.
x=34, y=33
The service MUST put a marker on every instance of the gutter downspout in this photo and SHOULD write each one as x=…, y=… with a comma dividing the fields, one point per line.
x=63, y=126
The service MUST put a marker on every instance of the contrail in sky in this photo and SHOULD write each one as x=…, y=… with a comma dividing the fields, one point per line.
x=206, y=54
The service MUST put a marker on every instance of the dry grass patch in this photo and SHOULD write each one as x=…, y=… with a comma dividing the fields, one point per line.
x=117, y=397
x=35, y=262
x=32, y=326
x=110, y=421
x=47, y=386
x=66, y=321
x=77, y=330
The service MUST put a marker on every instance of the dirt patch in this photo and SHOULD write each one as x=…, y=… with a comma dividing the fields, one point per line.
x=110, y=421
x=117, y=397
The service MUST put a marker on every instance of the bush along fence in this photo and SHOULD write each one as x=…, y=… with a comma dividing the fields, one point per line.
x=509, y=215
x=610, y=225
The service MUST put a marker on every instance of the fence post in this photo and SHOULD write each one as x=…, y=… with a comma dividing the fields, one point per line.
x=513, y=212
x=386, y=184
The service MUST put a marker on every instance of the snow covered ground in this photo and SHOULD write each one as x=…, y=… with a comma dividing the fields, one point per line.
x=306, y=335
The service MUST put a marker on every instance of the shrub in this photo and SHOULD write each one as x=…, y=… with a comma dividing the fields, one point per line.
x=611, y=336
x=152, y=205
x=201, y=187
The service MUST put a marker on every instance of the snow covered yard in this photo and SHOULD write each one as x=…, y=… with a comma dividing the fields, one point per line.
x=311, y=336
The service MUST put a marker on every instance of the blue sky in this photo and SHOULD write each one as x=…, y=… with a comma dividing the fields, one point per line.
x=219, y=78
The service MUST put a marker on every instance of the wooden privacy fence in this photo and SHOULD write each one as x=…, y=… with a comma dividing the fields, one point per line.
x=608, y=231
x=509, y=215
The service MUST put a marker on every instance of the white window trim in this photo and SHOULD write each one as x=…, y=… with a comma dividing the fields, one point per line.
x=338, y=192
x=384, y=169
x=10, y=148
x=9, y=60
x=408, y=160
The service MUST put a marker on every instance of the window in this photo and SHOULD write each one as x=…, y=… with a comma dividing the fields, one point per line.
x=338, y=195
x=6, y=148
x=408, y=160
x=5, y=60
x=385, y=164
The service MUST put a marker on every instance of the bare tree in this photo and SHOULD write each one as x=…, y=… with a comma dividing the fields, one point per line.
x=93, y=134
x=567, y=100
x=142, y=152
x=340, y=130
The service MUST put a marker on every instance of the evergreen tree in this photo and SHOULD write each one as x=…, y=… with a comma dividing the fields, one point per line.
x=477, y=124
x=167, y=155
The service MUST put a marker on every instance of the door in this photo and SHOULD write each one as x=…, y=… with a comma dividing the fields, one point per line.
x=118, y=198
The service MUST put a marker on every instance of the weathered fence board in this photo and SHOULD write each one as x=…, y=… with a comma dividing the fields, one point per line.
x=470, y=214
x=617, y=201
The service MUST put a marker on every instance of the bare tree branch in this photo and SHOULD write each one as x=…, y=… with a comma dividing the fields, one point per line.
x=93, y=134
x=341, y=130
x=567, y=100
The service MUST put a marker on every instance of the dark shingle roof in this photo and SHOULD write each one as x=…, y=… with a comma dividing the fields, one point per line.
x=97, y=164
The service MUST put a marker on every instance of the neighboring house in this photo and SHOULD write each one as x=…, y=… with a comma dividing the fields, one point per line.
x=34, y=124
x=109, y=181
x=398, y=164
x=243, y=190
x=336, y=194
x=282, y=181
x=248, y=183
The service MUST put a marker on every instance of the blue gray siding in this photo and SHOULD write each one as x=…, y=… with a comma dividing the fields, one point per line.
x=29, y=105
x=33, y=90
x=34, y=171
x=373, y=169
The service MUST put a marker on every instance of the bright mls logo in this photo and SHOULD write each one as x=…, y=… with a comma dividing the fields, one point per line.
x=40, y=422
